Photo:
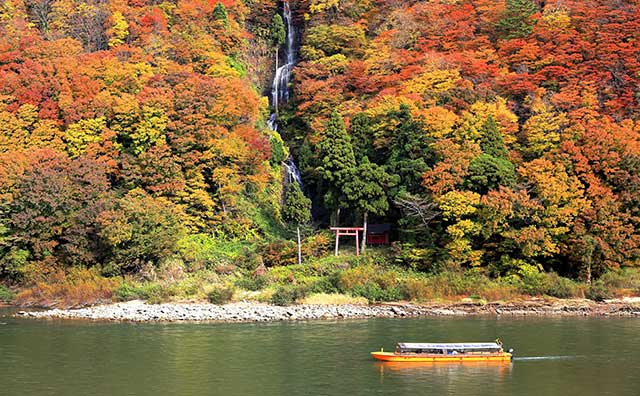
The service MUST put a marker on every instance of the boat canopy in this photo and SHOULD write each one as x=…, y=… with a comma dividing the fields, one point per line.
x=449, y=346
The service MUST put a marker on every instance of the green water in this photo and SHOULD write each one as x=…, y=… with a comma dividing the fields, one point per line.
x=559, y=356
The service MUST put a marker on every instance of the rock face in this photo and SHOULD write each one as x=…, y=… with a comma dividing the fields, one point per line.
x=138, y=311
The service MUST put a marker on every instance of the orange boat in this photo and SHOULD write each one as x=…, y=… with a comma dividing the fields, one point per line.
x=447, y=352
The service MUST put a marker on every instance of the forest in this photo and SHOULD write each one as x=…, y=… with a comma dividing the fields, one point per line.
x=500, y=139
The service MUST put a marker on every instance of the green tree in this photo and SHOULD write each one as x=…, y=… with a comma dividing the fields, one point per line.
x=277, y=35
x=491, y=169
x=220, y=14
x=338, y=162
x=487, y=172
x=367, y=191
x=362, y=136
x=409, y=151
x=491, y=141
x=517, y=19
x=296, y=210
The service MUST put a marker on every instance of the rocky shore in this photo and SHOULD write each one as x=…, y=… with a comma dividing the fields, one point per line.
x=138, y=311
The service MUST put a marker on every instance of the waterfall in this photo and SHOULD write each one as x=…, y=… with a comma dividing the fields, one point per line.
x=280, y=85
x=280, y=88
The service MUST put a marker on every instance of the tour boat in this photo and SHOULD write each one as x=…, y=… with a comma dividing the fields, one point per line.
x=447, y=352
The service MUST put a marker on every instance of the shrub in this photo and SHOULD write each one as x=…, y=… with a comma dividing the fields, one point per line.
x=253, y=283
x=127, y=292
x=279, y=253
x=72, y=288
x=317, y=246
x=373, y=292
x=622, y=282
x=153, y=293
x=287, y=295
x=220, y=295
x=6, y=295
x=204, y=251
x=418, y=259
x=560, y=287
x=418, y=289
x=141, y=228
x=598, y=291
x=326, y=284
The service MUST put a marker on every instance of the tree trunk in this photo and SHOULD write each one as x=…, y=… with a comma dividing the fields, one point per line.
x=337, y=219
x=364, y=232
x=299, y=246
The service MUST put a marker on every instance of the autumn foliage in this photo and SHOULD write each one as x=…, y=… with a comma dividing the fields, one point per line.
x=500, y=135
x=125, y=126
x=520, y=119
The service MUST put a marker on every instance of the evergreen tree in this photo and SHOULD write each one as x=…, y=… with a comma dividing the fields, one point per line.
x=409, y=151
x=220, y=14
x=517, y=21
x=362, y=136
x=491, y=142
x=487, y=172
x=296, y=210
x=297, y=207
x=278, y=36
x=492, y=168
x=338, y=162
x=278, y=33
x=367, y=191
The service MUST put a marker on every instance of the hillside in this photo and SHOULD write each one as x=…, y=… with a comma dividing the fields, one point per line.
x=497, y=134
x=499, y=138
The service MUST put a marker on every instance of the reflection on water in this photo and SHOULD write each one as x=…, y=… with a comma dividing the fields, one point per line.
x=568, y=356
x=448, y=370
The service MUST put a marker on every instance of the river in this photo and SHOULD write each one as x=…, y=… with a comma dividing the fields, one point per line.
x=554, y=356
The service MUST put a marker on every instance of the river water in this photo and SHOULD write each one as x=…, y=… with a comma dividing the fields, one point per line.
x=554, y=356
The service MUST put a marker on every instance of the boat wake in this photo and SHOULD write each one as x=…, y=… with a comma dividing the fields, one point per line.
x=530, y=358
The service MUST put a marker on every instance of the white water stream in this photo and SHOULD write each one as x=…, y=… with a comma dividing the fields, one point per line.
x=280, y=89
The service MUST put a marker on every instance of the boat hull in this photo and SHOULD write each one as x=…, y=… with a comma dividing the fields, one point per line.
x=393, y=357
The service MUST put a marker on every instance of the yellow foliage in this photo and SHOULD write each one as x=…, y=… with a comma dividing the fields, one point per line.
x=561, y=193
x=542, y=129
x=432, y=83
x=556, y=19
x=438, y=121
x=456, y=204
x=334, y=63
x=219, y=66
x=460, y=252
x=82, y=133
x=474, y=119
x=46, y=134
x=319, y=6
x=119, y=30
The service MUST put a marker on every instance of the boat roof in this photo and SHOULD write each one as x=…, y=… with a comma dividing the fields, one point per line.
x=454, y=345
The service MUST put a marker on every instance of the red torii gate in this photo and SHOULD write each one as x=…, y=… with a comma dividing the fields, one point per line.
x=348, y=231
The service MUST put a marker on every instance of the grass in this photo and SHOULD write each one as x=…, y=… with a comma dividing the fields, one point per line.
x=326, y=280
x=333, y=299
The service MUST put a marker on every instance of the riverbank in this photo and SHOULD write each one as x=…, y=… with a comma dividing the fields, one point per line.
x=139, y=311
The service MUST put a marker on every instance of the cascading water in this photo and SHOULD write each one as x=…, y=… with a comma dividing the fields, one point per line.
x=280, y=86
x=280, y=89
